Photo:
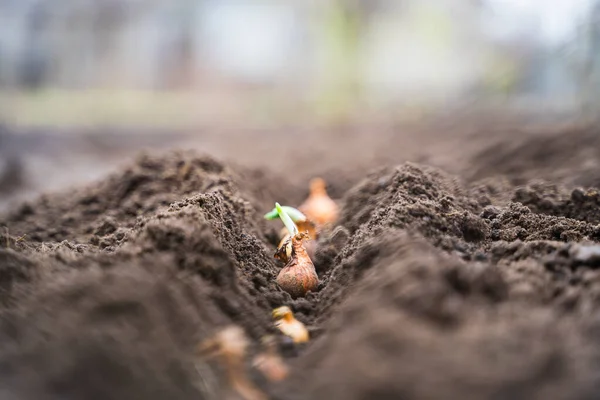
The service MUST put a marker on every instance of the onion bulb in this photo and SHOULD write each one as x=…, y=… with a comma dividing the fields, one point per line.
x=289, y=325
x=319, y=207
x=298, y=276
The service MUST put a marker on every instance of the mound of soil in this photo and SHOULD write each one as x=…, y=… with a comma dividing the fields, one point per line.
x=438, y=296
x=165, y=252
x=422, y=325
x=569, y=154
x=430, y=287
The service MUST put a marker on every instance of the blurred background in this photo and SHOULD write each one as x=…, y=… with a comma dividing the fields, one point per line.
x=84, y=83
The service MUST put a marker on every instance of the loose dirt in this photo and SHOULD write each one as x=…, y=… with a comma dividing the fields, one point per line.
x=479, y=280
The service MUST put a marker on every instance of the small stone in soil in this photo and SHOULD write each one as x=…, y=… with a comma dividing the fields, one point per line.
x=589, y=255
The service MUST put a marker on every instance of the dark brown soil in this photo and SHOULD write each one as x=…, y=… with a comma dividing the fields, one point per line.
x=479, y=285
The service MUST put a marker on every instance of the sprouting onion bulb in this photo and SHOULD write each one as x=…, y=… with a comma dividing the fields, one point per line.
x=298, y=276
x=287, y=221
x=295, y=214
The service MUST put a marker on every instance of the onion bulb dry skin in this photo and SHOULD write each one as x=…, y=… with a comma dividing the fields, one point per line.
x=284, y=249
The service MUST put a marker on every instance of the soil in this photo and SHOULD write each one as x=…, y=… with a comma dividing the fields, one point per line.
x=477, y=278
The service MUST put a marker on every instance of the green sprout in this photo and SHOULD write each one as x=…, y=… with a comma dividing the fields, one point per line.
x=293, y=213
x=287, y=221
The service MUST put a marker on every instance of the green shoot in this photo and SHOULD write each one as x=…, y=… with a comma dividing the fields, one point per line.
x=294, y=214
x=287, y=221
